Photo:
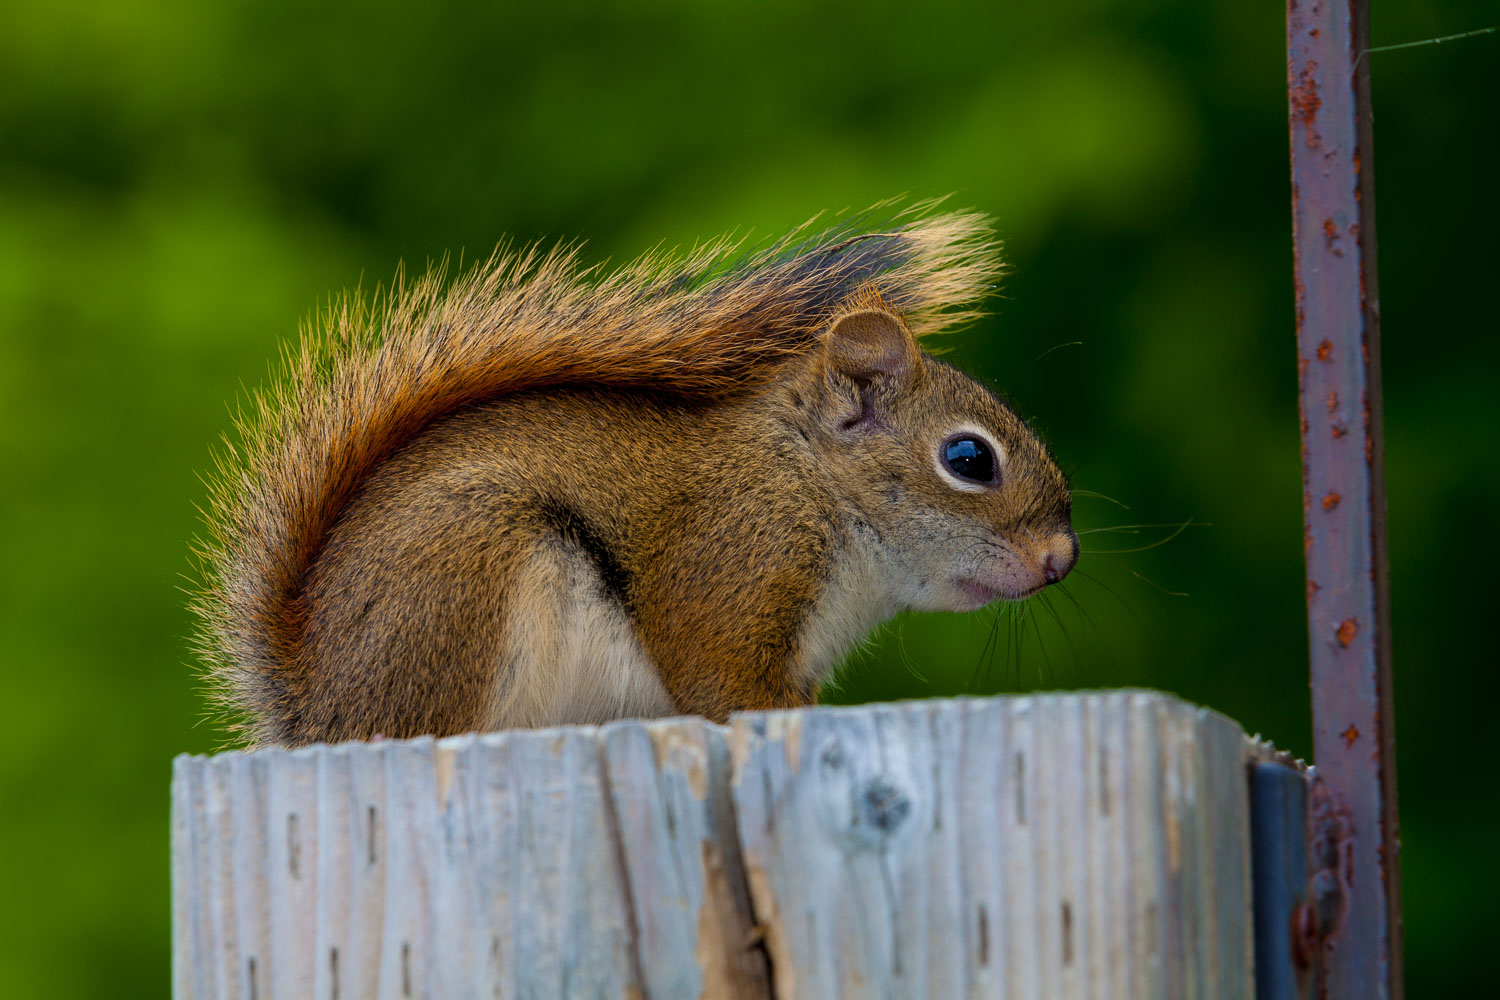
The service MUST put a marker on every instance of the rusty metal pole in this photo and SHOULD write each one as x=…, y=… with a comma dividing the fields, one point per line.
x=1351, y=925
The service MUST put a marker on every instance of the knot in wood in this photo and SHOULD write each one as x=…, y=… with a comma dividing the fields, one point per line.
x=880, y=807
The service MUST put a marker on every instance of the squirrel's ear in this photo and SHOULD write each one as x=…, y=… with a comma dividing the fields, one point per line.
x=872, y=346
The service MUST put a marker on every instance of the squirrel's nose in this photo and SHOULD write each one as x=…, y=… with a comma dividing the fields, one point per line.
x=1050, y=570
x=1062, y=553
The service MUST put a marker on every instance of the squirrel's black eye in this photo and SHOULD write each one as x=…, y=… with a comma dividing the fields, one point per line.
x=970, y=458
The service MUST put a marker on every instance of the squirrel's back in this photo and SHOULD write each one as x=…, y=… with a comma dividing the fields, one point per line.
x=370, y=380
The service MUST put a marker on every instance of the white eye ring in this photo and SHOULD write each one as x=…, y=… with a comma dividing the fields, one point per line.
x=969, y=485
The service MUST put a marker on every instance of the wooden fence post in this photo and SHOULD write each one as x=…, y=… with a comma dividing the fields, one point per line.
x=1090, y=845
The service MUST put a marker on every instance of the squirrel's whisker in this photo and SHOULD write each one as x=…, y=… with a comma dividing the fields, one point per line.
x=1045, y=673
x=1046, y=601
x=1135, y=529
x=1092, y=578
x=1088, y=619
x=1140, y=576
x=1146, y=548
x=1092, y=495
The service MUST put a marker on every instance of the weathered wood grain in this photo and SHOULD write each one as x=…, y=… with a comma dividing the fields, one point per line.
x=1058, y=846
x=578, y=862
x=675, y=821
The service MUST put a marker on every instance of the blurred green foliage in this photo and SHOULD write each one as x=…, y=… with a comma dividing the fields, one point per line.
x=179, y=182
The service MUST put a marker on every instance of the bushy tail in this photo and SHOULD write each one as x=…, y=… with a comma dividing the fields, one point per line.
x=367, y=377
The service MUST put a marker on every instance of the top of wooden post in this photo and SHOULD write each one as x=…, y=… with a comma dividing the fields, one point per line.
x=1052, y=845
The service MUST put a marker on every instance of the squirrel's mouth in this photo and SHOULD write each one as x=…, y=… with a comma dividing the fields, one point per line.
x=988, y=593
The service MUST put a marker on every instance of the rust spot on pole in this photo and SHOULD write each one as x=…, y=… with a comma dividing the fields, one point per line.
x=1351, y=735
x=1330, y=500
x=1305, y=101
x=1346, y=631
x=1331, y=237
x=1325, y=350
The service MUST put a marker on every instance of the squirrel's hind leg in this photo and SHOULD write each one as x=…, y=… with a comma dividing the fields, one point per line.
x=570, y=653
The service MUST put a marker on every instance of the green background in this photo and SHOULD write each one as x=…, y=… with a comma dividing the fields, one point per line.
x=181, y=181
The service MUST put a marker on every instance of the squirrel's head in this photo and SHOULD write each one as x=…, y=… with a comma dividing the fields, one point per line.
x=961, y=498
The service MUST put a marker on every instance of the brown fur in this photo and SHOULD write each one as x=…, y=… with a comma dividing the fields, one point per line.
x=541, y=497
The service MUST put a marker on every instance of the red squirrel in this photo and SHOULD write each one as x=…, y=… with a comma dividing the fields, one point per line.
x=544, y=496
